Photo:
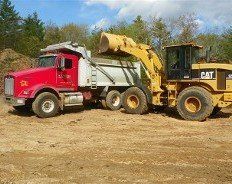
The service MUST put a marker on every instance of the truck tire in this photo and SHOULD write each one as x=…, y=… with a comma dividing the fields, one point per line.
x=195, y=104
x=103, y=103
x=46, y=105
x=114, y=100
x=135, y=101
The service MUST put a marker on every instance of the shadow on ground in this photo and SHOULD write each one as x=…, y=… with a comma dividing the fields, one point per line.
x=166, y=112
x=67, y=110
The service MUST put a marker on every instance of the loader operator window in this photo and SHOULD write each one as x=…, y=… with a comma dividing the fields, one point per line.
x=47, y=61
x=173, y=59
x=187, y=58
x=195, y=55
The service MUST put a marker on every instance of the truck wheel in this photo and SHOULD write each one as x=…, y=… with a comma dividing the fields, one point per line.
x=46, y=105
x=195, y=104
x=114, y=100
x=216, y=110
x=135, y=101
x=103, y=103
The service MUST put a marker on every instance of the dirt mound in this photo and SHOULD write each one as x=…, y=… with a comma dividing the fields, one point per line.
x=12, y=61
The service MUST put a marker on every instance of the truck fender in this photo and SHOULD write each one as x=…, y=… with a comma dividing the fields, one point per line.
x=38, y=88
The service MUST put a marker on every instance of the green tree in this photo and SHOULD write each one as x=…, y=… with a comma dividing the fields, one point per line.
x=137, y=30
x=209, y=40
x=52, y=34
x=93, y=41
x=32, y=36
x=75, y=33
x=140, y=31
x=226, y=45
x=30, y=46
x=9, y=25
x=160, y=34
x=33, y=26
x=187, y=27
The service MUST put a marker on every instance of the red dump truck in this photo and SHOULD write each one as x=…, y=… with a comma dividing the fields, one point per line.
x=67, y=76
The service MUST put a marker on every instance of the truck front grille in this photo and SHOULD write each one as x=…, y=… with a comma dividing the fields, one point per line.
x=9, y=86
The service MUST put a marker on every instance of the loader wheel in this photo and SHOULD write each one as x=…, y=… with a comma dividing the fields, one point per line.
x=46, y=105
x=195, y=104
x=135, y=101
x=114, y=100
x=216, y=110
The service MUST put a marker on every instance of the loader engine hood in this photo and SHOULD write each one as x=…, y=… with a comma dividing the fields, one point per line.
x=212, y=66
x=209, y=70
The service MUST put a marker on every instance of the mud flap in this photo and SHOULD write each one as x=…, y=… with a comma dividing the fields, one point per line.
x=104, y=92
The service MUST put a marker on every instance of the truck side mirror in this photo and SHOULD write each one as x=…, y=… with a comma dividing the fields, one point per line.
x=62, y=64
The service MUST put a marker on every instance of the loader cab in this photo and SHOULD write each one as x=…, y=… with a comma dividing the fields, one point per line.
x=179, y=60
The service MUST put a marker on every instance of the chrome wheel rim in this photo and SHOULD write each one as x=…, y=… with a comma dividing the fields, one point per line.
x=48, y=106
x=115, y=100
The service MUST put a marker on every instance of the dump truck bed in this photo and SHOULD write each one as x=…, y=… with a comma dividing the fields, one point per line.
x=124, y=73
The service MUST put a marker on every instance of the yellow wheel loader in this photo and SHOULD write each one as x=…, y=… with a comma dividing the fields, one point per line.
x=196, y=88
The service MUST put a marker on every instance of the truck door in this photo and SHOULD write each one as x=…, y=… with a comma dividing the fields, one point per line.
x=66, y=75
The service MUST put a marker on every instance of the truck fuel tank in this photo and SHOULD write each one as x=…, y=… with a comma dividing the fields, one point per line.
x=71, y=99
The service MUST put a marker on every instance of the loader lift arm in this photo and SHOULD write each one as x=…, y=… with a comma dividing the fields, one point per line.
x=118, y=44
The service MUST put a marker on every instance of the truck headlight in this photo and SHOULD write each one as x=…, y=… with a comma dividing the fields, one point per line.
x=20, y=101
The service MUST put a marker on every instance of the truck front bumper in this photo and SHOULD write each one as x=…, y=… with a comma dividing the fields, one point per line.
x=15, y=101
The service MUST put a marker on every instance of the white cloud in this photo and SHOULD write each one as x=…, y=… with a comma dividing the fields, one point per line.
x=112, y=4
x=213, y=12
x=103, y=23
x=200, y=23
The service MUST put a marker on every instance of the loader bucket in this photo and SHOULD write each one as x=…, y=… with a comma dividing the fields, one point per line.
x=111, y=43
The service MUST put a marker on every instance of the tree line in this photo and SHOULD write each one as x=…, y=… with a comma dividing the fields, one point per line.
x=28, y=35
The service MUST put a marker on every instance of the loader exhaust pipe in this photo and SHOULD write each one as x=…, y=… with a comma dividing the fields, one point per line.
x=111, y=43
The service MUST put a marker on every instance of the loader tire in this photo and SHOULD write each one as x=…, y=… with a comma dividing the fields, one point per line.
x=114, y=100
x=135, y=101
x=195, y=104
x=45, y=105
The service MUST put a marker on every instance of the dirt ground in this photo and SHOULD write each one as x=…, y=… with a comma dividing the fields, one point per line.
x=100, y=146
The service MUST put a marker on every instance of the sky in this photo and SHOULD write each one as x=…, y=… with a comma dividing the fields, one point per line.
x=211, y=14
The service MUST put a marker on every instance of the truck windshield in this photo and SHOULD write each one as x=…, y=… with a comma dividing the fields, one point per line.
x=47, y=61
